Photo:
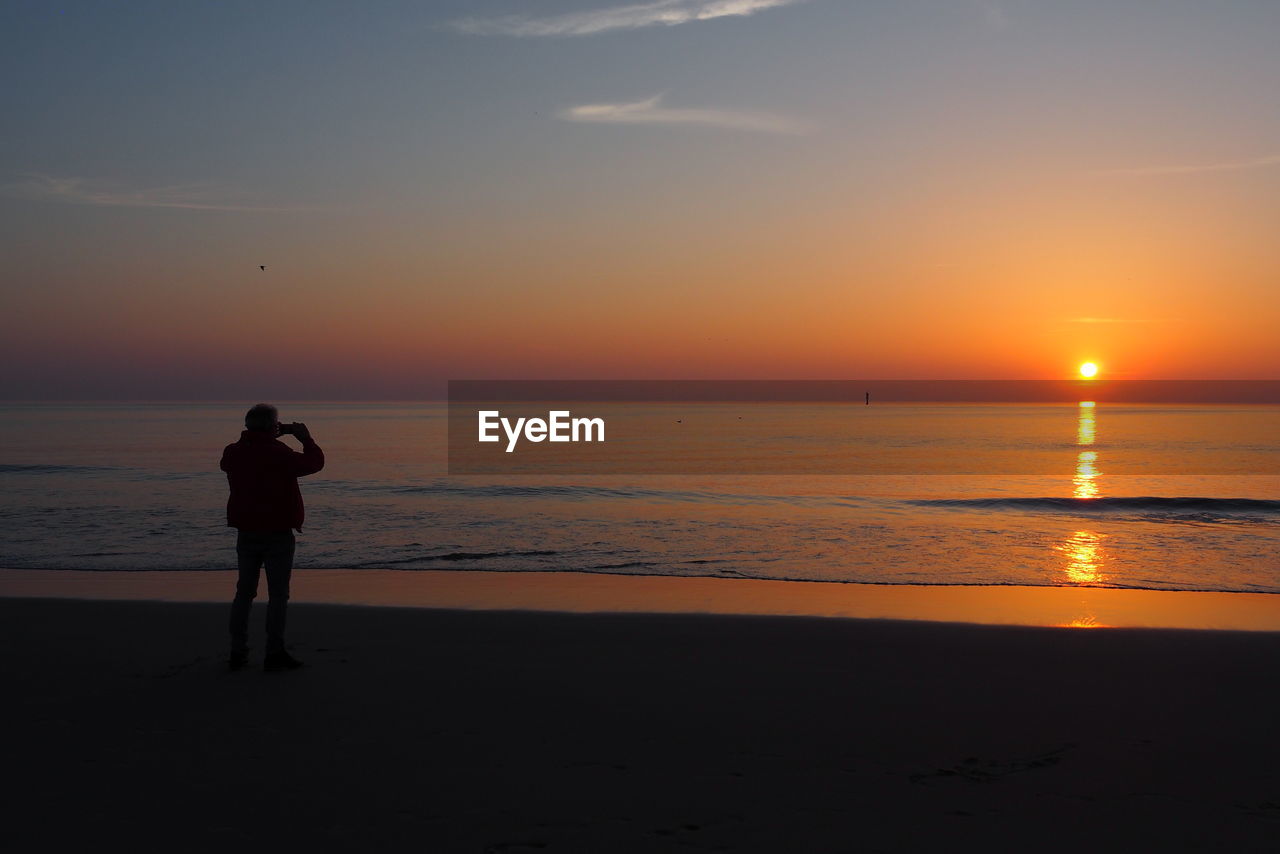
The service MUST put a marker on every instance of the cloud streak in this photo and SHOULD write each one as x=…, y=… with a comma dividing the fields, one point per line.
x=81, y=191
x=1191, y=169
x=651, y=112
x=1116, y=320
x=667, y=13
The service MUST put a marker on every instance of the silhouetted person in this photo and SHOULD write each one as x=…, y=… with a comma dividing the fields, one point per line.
x=266, y=506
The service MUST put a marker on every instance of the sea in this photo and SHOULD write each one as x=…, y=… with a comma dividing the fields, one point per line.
x=1149, y=496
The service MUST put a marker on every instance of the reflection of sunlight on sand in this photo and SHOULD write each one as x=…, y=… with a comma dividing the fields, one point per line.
x=1087, y=622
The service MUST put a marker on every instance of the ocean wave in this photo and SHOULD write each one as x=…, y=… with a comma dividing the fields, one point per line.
x=644, y=569
x=1187, y=509
x=1188, y=506
x=613, y=570
x=553, y=491
x=50, y=468
x=856, y=582
x=572, y=492
x=454, y=556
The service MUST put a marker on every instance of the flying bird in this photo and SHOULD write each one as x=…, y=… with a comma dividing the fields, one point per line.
x=262, y=266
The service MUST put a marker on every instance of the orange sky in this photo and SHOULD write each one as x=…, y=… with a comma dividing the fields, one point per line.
x=820, y=191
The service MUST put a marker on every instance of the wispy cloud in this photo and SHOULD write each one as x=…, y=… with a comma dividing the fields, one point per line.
x=1189, y=169
x=650, y=112
x=668, y=13
x=82, y=191
x=1116, y=320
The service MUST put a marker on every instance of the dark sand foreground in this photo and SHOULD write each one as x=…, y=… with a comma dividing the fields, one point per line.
x=473, y=731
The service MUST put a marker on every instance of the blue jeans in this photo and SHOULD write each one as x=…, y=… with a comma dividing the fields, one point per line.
x=254, y=549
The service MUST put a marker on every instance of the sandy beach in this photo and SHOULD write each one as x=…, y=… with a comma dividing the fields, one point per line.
x=509, y=731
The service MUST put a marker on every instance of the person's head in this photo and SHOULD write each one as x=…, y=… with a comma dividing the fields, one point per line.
x=262, y=418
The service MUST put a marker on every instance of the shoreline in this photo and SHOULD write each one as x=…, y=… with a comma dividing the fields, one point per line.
x=597, y=593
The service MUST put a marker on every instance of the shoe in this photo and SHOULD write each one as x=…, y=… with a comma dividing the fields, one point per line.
x=281, y=661
x=237, y=660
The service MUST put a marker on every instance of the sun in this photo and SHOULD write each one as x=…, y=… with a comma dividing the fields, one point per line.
x=1088, y=370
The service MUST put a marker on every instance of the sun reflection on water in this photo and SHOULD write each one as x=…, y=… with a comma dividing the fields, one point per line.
x=1085, y=481
x=1086, y=425
x=1084, y=557
x=1083, y=550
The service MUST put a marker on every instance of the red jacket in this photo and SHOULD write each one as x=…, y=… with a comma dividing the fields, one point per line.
x=263, y=473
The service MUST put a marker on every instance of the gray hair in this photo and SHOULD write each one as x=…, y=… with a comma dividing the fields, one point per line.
x=261, y=417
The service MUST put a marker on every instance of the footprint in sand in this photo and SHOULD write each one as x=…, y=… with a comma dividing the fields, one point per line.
x=977, y=770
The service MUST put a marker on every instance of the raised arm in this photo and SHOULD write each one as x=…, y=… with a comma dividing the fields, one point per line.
x=310, y=459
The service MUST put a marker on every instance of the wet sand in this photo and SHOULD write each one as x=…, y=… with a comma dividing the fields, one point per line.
x=513, y=731
x=581, y=592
